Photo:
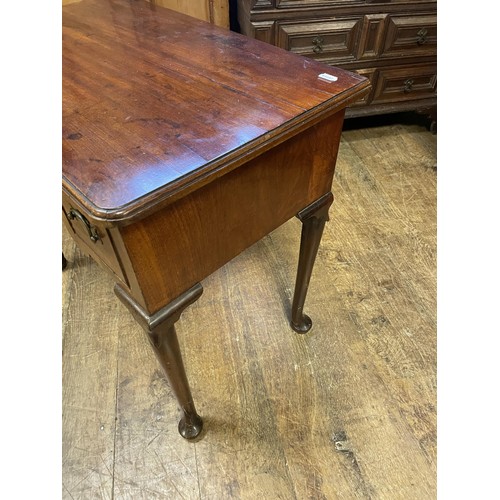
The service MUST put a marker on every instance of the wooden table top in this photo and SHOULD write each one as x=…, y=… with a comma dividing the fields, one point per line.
x=156, y=103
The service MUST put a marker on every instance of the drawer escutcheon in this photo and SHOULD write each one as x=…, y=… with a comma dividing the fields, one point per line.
x=318, y=42
x=408, y=85
x=422, y=36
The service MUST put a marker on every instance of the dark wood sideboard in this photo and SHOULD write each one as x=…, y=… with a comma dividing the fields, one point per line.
x=392, y=42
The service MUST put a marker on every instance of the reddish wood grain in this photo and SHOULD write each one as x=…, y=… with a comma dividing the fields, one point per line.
x=155, y=101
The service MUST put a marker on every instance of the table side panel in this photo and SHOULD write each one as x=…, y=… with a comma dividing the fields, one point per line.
x=185, y=242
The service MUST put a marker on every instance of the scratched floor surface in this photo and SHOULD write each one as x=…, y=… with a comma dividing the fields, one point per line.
x=347, y=411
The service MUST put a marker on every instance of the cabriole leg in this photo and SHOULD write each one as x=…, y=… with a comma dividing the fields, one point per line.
x=313, y=220
x=163, y=338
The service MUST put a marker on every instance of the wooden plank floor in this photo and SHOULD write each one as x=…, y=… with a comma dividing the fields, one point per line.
x=347, y=411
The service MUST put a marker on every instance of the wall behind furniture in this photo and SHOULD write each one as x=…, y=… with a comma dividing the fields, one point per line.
x=213, y=11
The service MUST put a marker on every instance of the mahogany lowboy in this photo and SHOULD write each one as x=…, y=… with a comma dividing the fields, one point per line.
x=184, y=144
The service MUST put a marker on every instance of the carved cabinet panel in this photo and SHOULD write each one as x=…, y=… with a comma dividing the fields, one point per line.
x=326, y=41
x=411, y=36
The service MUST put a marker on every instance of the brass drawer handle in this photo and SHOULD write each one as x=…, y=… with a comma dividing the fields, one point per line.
x=408, y=86
x=422, y=36
x=318, y=44
x=91, y=230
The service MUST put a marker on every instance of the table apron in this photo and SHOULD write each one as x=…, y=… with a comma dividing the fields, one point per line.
x=181, y=244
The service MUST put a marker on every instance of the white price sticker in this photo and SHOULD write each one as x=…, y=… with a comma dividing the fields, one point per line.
x=327, y=77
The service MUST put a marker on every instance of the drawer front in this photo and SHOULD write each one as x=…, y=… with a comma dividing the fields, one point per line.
x=93, y=240
x=411, y=36
x=404, y=84
x=326, y=41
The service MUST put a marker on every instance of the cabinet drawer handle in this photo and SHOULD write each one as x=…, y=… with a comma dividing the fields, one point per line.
x=91, y=230
x=408, y=86
x=422, y=36
x=318, y=44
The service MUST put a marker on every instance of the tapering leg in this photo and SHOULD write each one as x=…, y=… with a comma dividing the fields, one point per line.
x=163, y=338
x=313, y=220
x=64, y=262
x=166, y=348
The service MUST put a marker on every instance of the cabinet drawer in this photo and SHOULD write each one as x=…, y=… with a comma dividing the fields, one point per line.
x=326, y=41
x=405, y=83
x=94, y=240
x=411, y=36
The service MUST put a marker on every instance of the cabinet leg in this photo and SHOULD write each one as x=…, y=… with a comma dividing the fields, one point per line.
x=313, y=220
x=64, y=262
x=161, y=333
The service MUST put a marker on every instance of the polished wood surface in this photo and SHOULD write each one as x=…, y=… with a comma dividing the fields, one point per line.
x=155, y=102
x=347, y=411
